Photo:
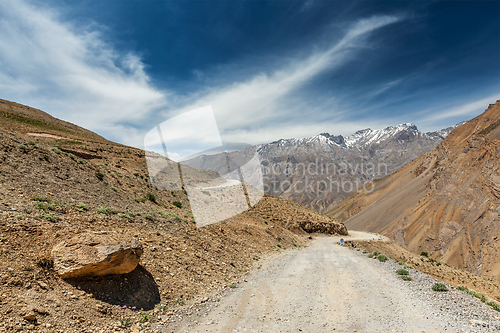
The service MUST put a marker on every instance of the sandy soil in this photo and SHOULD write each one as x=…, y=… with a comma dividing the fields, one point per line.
x=321, y=288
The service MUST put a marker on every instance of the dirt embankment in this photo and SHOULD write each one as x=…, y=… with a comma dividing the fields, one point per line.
x=48, y=193
x=445, y=202
x=437, y=269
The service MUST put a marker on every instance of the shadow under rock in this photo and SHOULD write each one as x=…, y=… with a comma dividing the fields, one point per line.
x=137, y=288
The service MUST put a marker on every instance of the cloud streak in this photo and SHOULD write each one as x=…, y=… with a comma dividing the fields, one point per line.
x=70, y=71
x=259, y=103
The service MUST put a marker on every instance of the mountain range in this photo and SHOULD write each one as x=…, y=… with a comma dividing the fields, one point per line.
x=445, y=202
x=321, y=171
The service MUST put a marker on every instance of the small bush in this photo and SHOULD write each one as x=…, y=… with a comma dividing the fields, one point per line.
x=232, y=286
x=177, y=204
x=376, y=253
x=494, y=305
x=462, y=288
x=81, y=207
x=424, y=254
x=56, y=150
x=127, y=215
x=439, y=287
x=126, y=322
x=23, y=147
x=33, y=143
x=382, y=258
x=151, y=197
x=406, y=278
x=405, y=265
x=145, y=316
x=370, y=255
x=51, y=218
x=99, y=176
x=402, y=271
x=45, y=157
x=40, y=198
x=105, y=210
x=114, y=189
x=148, y=217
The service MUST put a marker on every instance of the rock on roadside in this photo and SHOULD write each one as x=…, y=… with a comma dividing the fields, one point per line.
x=326, y=228
x=96, y=254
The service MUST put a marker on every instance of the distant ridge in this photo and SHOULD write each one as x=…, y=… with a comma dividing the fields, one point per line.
x=389, y=149
x=446, y=202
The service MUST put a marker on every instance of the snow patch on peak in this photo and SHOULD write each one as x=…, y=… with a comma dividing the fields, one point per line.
x=369, y=136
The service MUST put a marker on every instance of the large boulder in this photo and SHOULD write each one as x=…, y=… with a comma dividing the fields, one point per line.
x=331, y=228
x=95, y=254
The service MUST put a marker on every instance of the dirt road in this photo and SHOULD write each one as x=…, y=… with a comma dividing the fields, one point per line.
x=322, y=288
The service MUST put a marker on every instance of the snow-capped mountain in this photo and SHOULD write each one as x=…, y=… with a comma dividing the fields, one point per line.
x=351, y=161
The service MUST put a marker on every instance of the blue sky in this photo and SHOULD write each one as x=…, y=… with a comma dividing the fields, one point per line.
x=270, y=70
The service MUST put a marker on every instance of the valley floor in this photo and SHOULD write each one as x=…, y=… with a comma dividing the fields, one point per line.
x=326, y=287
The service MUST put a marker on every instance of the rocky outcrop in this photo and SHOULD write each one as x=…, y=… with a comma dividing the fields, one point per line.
x=96, y=254
x=324, y=227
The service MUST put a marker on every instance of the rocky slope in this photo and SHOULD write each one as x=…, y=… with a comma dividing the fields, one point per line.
x=320, y=171
x=59, y=181
x=446, y=202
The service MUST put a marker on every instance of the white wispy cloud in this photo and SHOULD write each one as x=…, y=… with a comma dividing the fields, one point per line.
x=468, y=110
x=70, y=71
x=263, y=100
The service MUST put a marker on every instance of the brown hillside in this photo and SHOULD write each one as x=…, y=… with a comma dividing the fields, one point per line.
x=65, y=180
x=446, y=202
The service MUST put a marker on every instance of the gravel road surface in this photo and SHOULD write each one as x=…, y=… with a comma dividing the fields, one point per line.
x=326, y=287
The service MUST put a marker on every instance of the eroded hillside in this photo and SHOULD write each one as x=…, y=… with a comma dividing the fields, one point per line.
x=58, y=180
x=446, y=202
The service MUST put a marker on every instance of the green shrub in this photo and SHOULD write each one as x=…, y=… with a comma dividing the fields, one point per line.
x=56, y=150
x=51, y=218
x=45, y=157
x=370, y=255
x=494, y=305
x=406, y=278
x=126, y=215
x=81, y=207
x=40, y=198
x=151, y=197
x=402, y=271
x=177, y=204
x=99, y=176
x=462, y=288
x=439, y=287
x=114, y=189
x=33, y=143
x=105, y=210
x=424, y=254
x=148, y=217
x=382, y=258
x=145, y=316
x=23, y=147
x=126, y=322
